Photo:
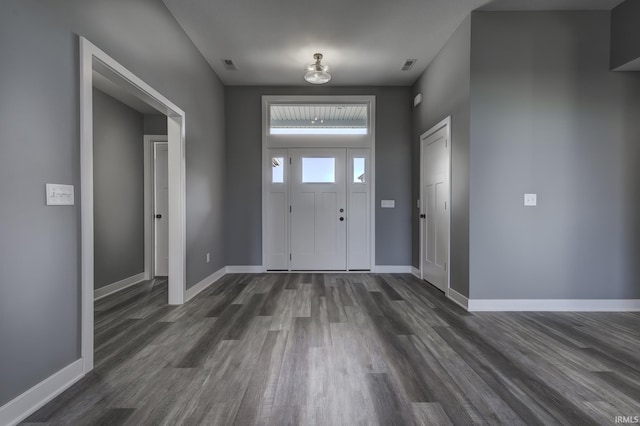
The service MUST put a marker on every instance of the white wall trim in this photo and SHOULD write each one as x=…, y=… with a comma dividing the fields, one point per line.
x=105, y=291
x=416, y=272
x=458, y=298
x=93, y=59
x=196, y=289
x=21, y=407
x=392, y=269
x=245, y=269
x=555, y=305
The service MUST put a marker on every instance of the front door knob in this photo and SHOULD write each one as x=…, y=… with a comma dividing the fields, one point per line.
x=341, y=219
x=158, y=216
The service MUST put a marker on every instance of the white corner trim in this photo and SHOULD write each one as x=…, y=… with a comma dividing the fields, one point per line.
x=202, y=285
x=557, y=305
x=117, y=286
x=458, y=298
x=416, y=272
x=245, y=269
x=21, y=407
x=392, y=269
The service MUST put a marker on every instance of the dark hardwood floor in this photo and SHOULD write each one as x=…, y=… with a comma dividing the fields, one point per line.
x=346, y=349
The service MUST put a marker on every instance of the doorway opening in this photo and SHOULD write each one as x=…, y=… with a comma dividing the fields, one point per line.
x=435, y=205
x=94, y=61
x=318, y=183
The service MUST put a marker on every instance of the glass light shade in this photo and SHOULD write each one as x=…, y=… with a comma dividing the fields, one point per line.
x=318, y=74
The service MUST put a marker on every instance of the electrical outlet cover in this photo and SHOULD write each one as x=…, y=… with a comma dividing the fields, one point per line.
x=530, y=200
x=59, y=195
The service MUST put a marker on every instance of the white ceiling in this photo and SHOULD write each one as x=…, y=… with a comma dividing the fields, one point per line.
x=365, y=42
x=552, y=5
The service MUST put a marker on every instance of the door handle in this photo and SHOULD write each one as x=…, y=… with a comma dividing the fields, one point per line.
x=423, y=216
x=158, y=216
x=341, y=219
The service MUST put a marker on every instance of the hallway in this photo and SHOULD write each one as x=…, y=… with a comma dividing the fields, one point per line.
x=342, y=349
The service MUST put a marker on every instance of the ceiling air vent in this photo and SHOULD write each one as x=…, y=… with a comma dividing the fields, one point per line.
x=408, y=64
x=229, y=65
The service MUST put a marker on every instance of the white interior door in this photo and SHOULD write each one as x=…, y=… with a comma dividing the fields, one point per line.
x=318, y=209
x=434, y=215
x=161, y=208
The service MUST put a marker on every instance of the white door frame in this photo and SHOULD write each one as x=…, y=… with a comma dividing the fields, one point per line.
x=149, y=197
x=446, y=123
x=292, y=141
x=93, y=59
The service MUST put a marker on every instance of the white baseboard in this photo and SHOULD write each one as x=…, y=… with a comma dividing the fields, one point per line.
x=117, y=286
x=416, y=272
x=557, y=305
x=244, y=269
x=202, y=285
x=392, y=269
x=30, y=401
x=458, y=298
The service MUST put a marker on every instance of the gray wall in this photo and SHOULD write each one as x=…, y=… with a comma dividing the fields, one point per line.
x=244, y=184
x=39, y=130
x=548, y=117
x=155, y=124
x=625, y=33
x=118, y=190
x=445, y=86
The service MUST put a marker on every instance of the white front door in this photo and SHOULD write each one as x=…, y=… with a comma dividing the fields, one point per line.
x=161, y=208
x=435, y=148
x=318, y=209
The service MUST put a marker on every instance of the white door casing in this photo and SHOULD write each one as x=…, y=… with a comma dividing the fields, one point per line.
x=161, y=209
x=318, y=209
x=94, y=59
x=435, y=197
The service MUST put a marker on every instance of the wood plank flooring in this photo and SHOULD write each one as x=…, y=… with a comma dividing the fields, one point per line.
x=347, y=349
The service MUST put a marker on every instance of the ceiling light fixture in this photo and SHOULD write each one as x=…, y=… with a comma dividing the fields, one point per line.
x=316, y=72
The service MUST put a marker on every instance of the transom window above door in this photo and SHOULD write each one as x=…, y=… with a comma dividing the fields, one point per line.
x=318, y=119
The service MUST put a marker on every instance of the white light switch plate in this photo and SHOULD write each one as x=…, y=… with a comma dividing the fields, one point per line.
x=388, y=204
x=59, y=195
x=530, y=200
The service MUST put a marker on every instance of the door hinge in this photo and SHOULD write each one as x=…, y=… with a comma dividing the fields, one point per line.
x=445, y=205
x=445, y=266
x=289, y=256
x=289, y=209
x=446, y=142
x=289, y=160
